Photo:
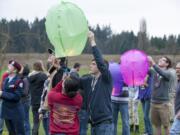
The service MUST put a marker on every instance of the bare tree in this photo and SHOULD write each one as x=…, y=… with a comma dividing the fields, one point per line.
x=4, y=41
x=142, y=36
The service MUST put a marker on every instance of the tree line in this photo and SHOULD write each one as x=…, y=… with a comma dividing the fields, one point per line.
x=20, y=36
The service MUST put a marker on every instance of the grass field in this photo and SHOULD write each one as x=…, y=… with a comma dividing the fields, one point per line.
x=41, y=132
x=83, y=71
x=84, y=60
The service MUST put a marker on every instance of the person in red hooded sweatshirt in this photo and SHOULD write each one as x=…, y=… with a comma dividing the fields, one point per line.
x=4, y=75
x=64, y=102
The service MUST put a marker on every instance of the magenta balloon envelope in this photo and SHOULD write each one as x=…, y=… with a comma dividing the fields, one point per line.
x=134, y=67
x=117, y=78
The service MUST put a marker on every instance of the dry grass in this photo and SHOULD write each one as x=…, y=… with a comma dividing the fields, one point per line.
x=30, y=58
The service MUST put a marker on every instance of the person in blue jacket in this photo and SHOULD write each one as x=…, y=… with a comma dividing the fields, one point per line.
x=12, y=109
x=97, y=89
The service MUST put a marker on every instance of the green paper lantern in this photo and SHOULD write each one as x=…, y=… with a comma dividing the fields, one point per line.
x=67, y=29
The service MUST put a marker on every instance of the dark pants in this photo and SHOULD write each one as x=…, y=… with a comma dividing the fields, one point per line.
x=83, y=118
x=36, y=121
x=46, y=125
x=27, y=127
x=1, y=119
x=15, y=127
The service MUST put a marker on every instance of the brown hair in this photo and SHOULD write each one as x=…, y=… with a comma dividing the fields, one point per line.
x=168, y=60
x=71, y=86
x=38, y=66
x=105, y=61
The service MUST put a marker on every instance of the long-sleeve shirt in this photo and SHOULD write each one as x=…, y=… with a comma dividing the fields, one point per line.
x=160, y=93
x=36, y=81
x=97, y=91
x=4, y=76
x=44, y=105
x=177, y=99
x=11, y=95
x=63, y=112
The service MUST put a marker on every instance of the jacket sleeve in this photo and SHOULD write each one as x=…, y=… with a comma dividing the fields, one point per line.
x=58, y=87
x=44, y=95
x=103, y=68
x=50, y=98
x=15, y=96
x=163, y=73
x=80, y=101
x=53, y=92
x=83, y=81
x=26, y=87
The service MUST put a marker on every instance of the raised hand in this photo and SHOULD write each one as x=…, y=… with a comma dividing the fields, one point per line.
x=91, y=38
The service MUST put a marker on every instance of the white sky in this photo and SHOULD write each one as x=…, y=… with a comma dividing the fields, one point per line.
x=162, y=16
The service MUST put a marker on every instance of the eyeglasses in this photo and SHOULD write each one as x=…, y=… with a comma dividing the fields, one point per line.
x=163, y=59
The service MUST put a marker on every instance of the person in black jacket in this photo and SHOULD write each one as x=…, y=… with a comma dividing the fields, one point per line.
x=36, y=79
x=25, y=100
x=57, y=67
x=98, y=88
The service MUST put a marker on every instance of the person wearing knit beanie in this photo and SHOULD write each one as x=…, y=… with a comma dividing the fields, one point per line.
x=11, y=94
x=15, y=64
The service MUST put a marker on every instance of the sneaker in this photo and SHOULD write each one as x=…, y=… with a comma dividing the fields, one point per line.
x=132, y=128
x=136, y=128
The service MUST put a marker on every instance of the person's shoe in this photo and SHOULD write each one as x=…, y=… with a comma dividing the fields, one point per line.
x=131, y=128
x=136, y=128
x=171, y=121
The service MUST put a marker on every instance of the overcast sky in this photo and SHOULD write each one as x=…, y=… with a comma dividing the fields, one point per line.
x=162, y=16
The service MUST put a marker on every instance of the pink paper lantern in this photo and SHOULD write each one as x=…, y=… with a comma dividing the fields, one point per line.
x=134, y=67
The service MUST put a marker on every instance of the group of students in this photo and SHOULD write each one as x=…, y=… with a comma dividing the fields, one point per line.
x=66, y=102
x=155, y=95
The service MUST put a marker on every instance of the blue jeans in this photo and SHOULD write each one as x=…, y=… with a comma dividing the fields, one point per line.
x=27, y=126
x=175, y=129
x=15, y=127
x=123, y=109
x=83, y=118
x=1, y=120
x=102, y=129
x=147, y=122
x=46, y=125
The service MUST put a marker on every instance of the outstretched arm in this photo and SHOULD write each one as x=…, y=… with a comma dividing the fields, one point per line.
x=103, y=68
x=161, y=72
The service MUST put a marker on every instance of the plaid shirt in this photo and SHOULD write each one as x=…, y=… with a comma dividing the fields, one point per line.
x=43, y=105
